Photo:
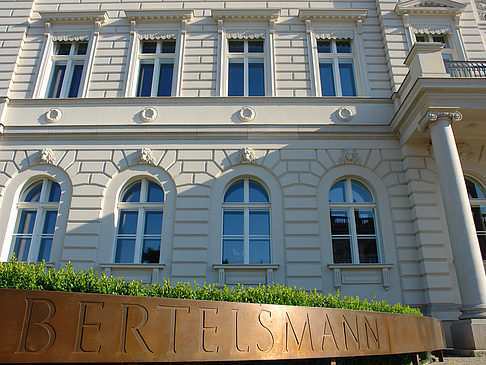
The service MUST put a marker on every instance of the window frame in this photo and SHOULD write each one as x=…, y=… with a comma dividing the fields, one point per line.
x=246, y=206
x=448, y=49
x=477, y=202
x=351, y=207
x=141, y=207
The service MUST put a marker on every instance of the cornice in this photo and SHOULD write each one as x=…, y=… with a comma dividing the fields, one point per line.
x=424, y=7
x=166, y=15
x=246, y=14
x=333, y=14
x=74, y=16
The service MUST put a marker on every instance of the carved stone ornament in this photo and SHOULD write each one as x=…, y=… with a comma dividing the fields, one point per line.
x=145, y=155
x=148, y=114
x=246, y=155
x=452, y=116
x=465, y=151
x=46, y=156
x=53, y=115
x=334, y=34
x=246, y=34
x=432, y=29
x=156, y=35
x=344, y=114
x=70, y=37
x=246, y=114
x=349, y=156
x=481, y=6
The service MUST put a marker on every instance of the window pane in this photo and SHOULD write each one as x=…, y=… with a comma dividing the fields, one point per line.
x=256, y=78
x=323, y=46
x=473, y=190
x=337, y=194
x=168, y=46
x=145, y=79
x=367, y=250
x=55, y=192
x=153, y=222
x=45, y=249
x=343, y=46
x=233, y=222
x=56, y=81
x=259, y=251
x=441, y=39
x=151, y=251
x=125, y=248
x=75, y=81
x=82, y=48
x=64, y=48
x=365, y=221
x=479, y=216
x=155, y=193
x=165, y=79
x=348, y=87
x=235, y=77
x=482, y=244
x=34, y=193
x=259, y=222
x=149, y=47
x=255, y=46
x=420, y=38
x=258, y=194
x=236, y=46
x=132, y=195
x=21, y=249
x=341, y=251
x=360, y=193
x=339, y=222
x=26, y=223
x=235, y=193
x=232, y=251
x=327, y=79
x=50, y=222
x=128, y=222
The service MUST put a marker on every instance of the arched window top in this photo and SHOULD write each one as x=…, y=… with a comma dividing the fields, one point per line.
x=349, y=191
x=35, y=194
x=143, y=191
x=474, y=189
x=246, y=191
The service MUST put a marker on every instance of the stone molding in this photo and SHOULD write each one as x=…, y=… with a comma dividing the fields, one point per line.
x=70, y=37
x=432, y=29
x=148, y=114
x=246, y=34
x=333, y=14
x=53, y=115
x=246, y=114
x=247, y=14
x=481, y=6
x=425, y=7
x=166, y=15
x=334, y=34
x=74, y=16
x=156, y=35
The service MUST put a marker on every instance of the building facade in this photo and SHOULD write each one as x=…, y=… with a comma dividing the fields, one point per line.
x=336, y=145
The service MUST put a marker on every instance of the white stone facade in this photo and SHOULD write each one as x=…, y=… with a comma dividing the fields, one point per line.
x=293, y=141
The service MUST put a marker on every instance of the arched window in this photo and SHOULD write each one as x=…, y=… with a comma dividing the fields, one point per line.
x=36, y=221
x=246, y=224
x=139, y=231
x=477, y=198
x=353, y=227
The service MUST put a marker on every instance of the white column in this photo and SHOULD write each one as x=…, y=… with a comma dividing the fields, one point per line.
x=462, y=231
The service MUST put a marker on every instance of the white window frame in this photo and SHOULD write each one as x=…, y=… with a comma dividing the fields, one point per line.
x=430, y=32
x=68, y=27
x=351, y=207
x=246, y=206
x=477, y=202
x=41, y=207
x=142, y=207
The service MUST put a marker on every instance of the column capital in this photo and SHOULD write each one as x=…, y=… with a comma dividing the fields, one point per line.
x=433, y=115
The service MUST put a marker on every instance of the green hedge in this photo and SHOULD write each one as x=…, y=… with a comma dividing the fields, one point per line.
x=21, y=275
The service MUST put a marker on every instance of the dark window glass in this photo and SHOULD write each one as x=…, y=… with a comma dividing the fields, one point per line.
x=153, y=222
x=367, y=250
x=255, y=46
x=27, y=220
x=365, y=221
x=259, y=251
x=56, y=81
x=45, y=249
x=50, y=222
x=128, y=222
x=348, y=87
x=145, y=79
x=339, y=222
x=55, y=192
x=258, y=194
x=337, y=194
x=125, y=248
x=233, y=251
x=33, y=194
x=236, y=46
x=149, y=47
x=441, y=39
x=473, y=190
x=233, y=222
x=82, y=48
x=327, y=79
x=420, y=38
x=256, y=78
x=151, y=250
x=168, y=46
x=360, y=193
x=75, y=81
x=21, y=249
x=343, y=46
x=165, y=79
x=259, y=223
x=64, y=48
x=323, y=46
x=236, y=78
x=155, y=194
x=235, y=193
x=341, y=250
x=132, y=194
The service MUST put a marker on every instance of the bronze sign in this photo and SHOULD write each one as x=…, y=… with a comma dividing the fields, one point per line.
x=40, y=326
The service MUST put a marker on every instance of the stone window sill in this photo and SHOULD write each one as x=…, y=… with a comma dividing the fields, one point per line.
x=358, y=274
x=116, y=269
x=245, y=274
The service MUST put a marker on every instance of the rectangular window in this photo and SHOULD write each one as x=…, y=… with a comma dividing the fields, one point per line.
x=156, y=69
x=336, y=67
x=68, y=67
x=448, y=52
x=246, y=68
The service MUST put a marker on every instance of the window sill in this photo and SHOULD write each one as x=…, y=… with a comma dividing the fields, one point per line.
x=245, y=274
x=357, y=274
x=147, y=273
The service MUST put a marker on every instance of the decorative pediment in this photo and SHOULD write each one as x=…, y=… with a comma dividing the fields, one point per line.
x=166, y=15
x=427, y=7
x=245, y=34
x=333, y=14
x=74, y=16
x=334, y=34
x=156, y=35
x=246, y=15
